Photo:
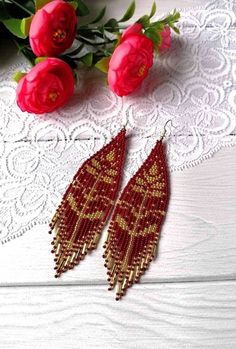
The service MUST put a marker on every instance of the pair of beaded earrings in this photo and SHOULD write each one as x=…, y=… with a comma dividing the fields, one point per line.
x=136, y=220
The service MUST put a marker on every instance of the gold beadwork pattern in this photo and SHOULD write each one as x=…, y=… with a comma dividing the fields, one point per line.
x=135, y=226
x=82, y=214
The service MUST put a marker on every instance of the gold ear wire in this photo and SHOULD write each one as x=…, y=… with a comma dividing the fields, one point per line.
x=164, y=133
x=126, y=123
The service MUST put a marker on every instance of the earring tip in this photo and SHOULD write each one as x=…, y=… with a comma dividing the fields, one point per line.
x=125, y=125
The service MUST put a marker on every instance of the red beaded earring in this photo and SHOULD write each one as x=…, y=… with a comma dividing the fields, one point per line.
x=86, y=205
x=136, y=222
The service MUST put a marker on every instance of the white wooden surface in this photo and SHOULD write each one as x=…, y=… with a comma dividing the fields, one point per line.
x=163, y=316
x=186, y=300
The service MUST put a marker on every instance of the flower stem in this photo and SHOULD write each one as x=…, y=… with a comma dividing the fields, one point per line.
x=22, y=7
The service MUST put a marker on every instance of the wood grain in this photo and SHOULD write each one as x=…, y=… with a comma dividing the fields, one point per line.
x=198, y=238
x=185, y=315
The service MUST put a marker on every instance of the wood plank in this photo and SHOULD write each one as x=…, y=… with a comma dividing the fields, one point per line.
x=198, y=238
x=173, y=316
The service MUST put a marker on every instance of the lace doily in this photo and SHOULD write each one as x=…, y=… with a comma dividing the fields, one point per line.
x=193, y=85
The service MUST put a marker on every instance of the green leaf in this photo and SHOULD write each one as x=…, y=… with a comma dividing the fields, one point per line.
x=39, y=59
x=99, y=16
x=82, y=9
x=40, y=3
x=171, y=18
x=111, y=25
x=153, y=10
x=176, y=30
x=145, y=21
x=74, y=4
x=14, y=26
x=69, y=61
x=152, y=34
x=25, y=25
x=103, y=64
x=158, y=26
x=87, y=59
x=18, y=75
x=176, y=15
x=27, y=52
x=129, y=13
x=76, y=51
x=107, y=53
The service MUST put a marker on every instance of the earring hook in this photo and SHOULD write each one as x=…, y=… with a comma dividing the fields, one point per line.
x=165, y=129
x=126, y=123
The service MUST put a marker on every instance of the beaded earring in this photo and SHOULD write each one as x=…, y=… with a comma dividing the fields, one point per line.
x=136, y=222
x=86, y=205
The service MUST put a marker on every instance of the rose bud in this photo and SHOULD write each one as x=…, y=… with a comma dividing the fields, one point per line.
x=47, y=86
x=166, y=39
x=53, y=29
x=131, y=61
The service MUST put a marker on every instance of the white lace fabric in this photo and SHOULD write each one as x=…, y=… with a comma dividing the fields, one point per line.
x=193, y=85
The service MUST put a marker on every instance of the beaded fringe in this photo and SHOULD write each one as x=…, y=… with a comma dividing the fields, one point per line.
x=134, y=229
x=82, y=214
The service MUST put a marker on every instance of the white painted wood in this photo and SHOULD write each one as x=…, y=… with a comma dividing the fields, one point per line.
x=198, y=238
x=165, y=316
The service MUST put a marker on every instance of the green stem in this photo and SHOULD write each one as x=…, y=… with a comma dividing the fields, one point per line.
x=22, y=7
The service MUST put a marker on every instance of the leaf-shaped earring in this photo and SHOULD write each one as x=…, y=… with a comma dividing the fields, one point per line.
x=136, y=222
x=86, y=205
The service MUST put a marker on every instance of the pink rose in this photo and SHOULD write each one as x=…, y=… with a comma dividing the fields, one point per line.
x=166, y=39
x=135, y=28
x=53, y=28
x=131, y=61
x=46, y=87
